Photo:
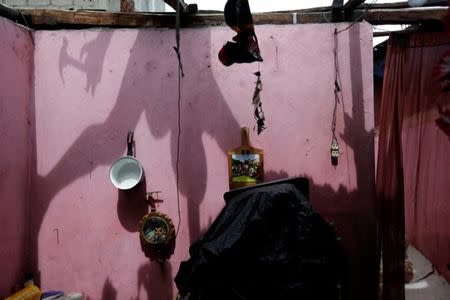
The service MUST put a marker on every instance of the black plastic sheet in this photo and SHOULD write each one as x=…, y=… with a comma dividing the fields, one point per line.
x=267, y=243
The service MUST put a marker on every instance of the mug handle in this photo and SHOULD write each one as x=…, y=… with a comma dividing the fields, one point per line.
x=130, y=141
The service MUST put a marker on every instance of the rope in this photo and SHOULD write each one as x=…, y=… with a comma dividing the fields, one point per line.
x=177, y=37
x=180, y=76
x=337, y=88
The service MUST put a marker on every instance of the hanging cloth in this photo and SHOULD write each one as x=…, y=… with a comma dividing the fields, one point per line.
x=244, y=48
x=412, y=171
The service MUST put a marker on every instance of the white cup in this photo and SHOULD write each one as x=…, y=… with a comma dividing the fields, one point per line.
x=126, y=172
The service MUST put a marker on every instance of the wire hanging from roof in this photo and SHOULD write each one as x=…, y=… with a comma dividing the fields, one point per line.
x=337, y=88
x=337, y=91
x=180, y=76
x=359, y=18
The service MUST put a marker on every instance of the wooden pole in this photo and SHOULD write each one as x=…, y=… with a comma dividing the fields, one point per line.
x=350, y=6
x=353, y=4
x=185, y=8
x=337, y=10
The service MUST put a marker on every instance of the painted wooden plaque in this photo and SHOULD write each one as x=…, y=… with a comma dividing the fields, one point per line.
x=245, y=164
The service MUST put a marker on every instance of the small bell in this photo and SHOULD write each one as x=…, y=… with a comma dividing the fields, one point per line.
x=334, y=151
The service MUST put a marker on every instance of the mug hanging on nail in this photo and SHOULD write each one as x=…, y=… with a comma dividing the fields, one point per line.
x=127, y=172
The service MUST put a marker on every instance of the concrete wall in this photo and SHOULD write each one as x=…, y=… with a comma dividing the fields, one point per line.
x=93, y=85
x=16, y=62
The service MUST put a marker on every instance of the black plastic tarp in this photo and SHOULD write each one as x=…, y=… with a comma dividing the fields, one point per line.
x=267, y=243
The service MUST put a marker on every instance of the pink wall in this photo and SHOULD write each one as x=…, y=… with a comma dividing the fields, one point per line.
x=16, y=63
x=93, y=85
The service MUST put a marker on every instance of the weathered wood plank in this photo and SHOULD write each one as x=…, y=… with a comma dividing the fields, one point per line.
x=54, y=18
x=374, y=6
x=401, y=4
x=43, y=18
x=402, y=16
x=77, y=19
x=437, y=3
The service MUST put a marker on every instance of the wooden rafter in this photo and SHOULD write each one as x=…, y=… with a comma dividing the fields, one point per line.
x=336, y=10
x=403, y=4
x=437, y=2
x=55, y=19
x=402, y=16
x=185, y=8
x=353, y=4
x=350, y=6
x=389, y=5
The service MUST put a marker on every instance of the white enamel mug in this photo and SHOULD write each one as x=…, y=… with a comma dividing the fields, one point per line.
x=127, y=171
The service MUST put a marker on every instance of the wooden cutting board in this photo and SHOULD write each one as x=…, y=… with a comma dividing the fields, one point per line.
x=245, y=164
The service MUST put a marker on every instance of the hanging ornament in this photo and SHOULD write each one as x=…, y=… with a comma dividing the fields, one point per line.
x=257, y=104
x=337, y=91
x=157, y=233
x=334, y=151
x=244, y=48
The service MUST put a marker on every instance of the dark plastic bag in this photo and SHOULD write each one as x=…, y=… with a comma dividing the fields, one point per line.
x=267, y=243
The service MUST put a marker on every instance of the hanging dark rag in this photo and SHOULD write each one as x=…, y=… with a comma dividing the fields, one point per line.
x=267, y=243
x=245, y=47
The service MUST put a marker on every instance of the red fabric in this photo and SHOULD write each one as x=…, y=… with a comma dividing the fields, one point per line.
x=413, y=180
x=426, y=153
x=389, y=185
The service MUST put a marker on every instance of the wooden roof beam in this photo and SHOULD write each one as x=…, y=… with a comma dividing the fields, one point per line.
x=403, y=4
x=185, y=8
x=54, y=19
x=389, y=5
x=350, y=6
x=402, y=15
x=436, y=2
x=337, y=9
x=353, y=4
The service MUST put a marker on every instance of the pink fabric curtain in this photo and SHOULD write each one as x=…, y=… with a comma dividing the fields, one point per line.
x=413, y=177
x=426, y=154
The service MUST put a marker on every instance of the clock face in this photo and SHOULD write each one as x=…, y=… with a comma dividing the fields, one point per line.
x=155, y=230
